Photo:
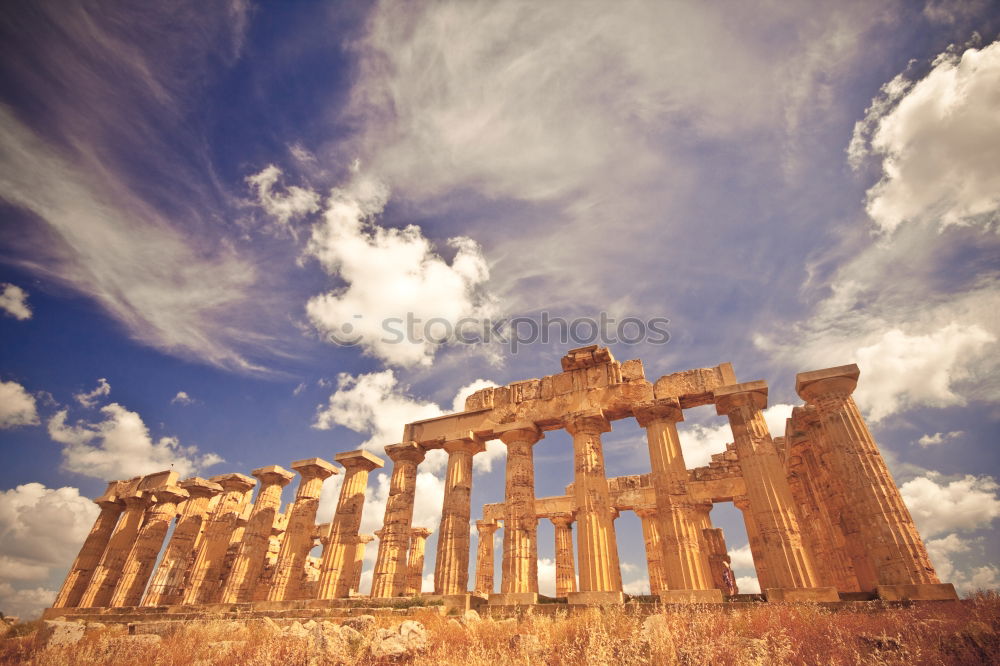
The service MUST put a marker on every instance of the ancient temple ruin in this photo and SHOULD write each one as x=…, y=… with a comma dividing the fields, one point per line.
x=824, y=518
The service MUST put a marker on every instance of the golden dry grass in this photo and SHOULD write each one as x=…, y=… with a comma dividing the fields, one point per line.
x=934, y=633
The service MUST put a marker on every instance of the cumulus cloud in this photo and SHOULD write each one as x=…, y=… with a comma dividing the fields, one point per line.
x=17, y=406
x=284, y=206
x=945, y=554
x=91, y=398
x=741, y=559
x=939, y=438
x=699, y=442
x=939, y=141
x=397, y=285
x=14, y=302
x=748, y=584
x=182, y=398
x=41, y=530
x=120, y=447
x=969, y=503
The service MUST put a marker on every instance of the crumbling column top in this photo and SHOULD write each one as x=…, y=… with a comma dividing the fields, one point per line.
x=518, y=431
x=420, y=532
x=665, y=409
x=841, y=379
x=471, y=445
x=199, y=487
x=486, y=525
x=168, y=494
x=314, y=468
x=562, y=519
x=111, y=496
x=730, y=397
x=273, y=475
x=592, y=422
x=405, y=452
x=359, y=459
x=234, y=482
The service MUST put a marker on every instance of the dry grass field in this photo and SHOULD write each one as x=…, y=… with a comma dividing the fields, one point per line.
x=967, y=632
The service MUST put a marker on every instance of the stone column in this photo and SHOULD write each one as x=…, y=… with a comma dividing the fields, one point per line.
x=451, y=567
x=205, y=584
x=894, y=546
x=718, y=558
x=106, y=575
x=167, y=586
x=290, y=570
x=415, y=560
x=245, y=573
x=788, y=561
x=484, y=557
x=337, y=569
x=565, y=571
x=654, y=548
x=597, y=546
x=685, y=562
x=519, y=567
x=359, y=560
x=142, y=558
x=93, y=548
x=756, y=546
x=389, y=576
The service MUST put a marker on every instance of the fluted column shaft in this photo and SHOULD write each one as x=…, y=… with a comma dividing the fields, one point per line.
x=718, y=559
x=597, y=545
x=391, y=572
x=685, y=562
x=290, y=569
x=142, y=557
x=484, y=557
x=788, y=561
x=451, y=568
x=760, y=566
x=415, y=560
x=654, y=549
x=895, y=549
x=108, y=571
x=204, y=585
x=359, y=560
x=337, y=568
x=167, y=586
x=565, y=571
x=519, y=567
x=93, y=548
x=252, y=549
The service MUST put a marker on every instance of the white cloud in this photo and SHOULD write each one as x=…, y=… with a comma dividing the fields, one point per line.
x=966, y=579
x=41, y=530
x=639, y=586
x=969, y=503
x=741, y=559
x=14, y=302
x=120, y=447
x=396, y=283
x=699, y=442
x=546, y=576
x=939, y=141
x=182, y=398
x=939, y=438
x=295, y=202
x=90, y=399
x=17, y=406
x=748, y=584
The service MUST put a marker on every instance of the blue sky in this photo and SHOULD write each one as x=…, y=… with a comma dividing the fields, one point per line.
x=195, y=198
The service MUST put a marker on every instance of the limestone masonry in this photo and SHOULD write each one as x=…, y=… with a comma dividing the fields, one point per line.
x=824, y=518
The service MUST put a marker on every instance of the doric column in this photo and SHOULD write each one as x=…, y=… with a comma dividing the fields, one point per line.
x=756, y=546
x=685, y=563
x=789, y=563
x=894, y=547
x=654, y=548
x=252, y=549
x=415, y=560
x=167, y=586
x=565, y=571
x=86, y=562
x=718, y=559
x=142, y=557
x=289, y=572
x=206, y=573
x=451, y=567
x=597, y=546
x=519, y=567
x=106, y=575
x=389, y=576
x=337, y=569
x=484, y=557
x=359, y=560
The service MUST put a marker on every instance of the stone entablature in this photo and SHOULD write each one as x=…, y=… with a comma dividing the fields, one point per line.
x=822, y=513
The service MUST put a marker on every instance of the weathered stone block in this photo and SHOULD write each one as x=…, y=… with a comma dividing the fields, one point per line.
x=802, y=594
x=923, y=592
x=595, y=598
x=691, y=596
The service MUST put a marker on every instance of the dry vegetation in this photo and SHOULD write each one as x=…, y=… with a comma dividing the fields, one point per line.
x=934, y=633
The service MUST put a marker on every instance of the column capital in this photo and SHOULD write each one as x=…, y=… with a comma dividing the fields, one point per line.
x=199, y=487
x=667, y=409
x=564, y=519
x=273, y=475
x=137, y=499
x=314, y=468
x=359, y=459
x=420, y=532
x=645, y=510
x=591, y=422
x=742, y=502
x=169, y=495
x=234, y=482
x=841, y=380
x=111, y=496
x=518, y=431
x=748, y=394
x=366, y=538
x=471, y=445
x=406, y=452
x=486, y=526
